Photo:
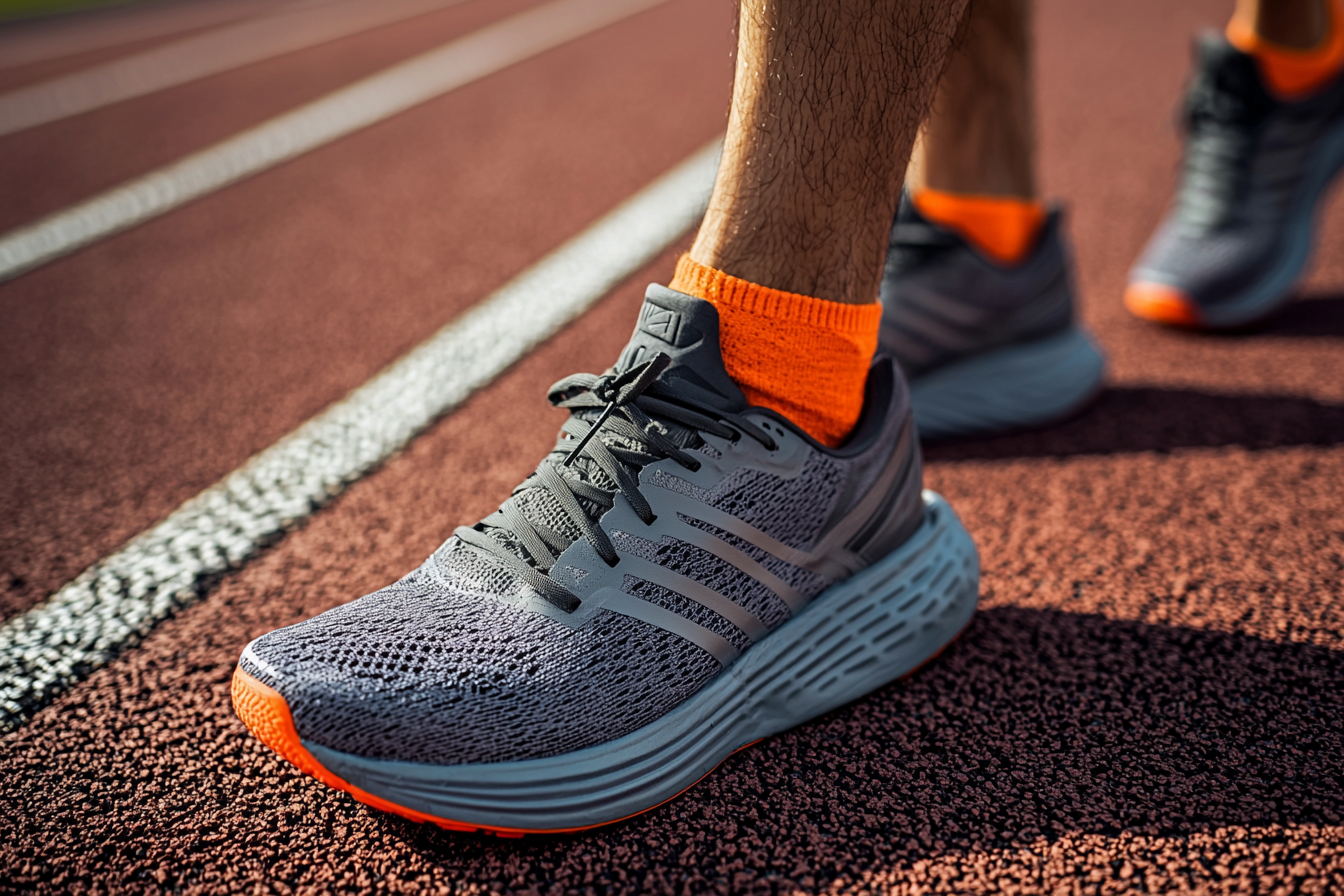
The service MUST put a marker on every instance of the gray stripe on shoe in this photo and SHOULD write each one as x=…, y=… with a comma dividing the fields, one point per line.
x=629, y=605
x=741, y=561
x=689, y=507
x=705, y=596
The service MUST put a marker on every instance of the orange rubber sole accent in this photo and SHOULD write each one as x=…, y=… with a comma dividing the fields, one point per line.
x=267, y=715
x=1162, y=304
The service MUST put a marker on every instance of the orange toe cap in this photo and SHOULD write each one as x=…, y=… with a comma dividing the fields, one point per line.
x=266, y=714
x=1163, y=304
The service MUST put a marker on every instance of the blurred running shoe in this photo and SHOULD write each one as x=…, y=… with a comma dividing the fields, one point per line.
x=681, y=576
x=1239, y=232
x=985, y=346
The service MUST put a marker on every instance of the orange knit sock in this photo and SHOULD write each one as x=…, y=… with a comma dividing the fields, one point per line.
x=1291, y=73
x=1001, y=227
x=806, y=358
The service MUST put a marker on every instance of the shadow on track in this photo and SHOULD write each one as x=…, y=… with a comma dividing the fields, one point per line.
x=1314, y=316
x=1130, y=420
x=1037, y=725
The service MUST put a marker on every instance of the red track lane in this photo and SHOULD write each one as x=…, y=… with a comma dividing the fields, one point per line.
x=55, y=165
x=34, y=72
x=73, y=42
x=146, y=367
x=1152, y=699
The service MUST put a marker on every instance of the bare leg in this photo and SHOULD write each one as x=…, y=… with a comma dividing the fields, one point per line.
x=826, y=103
x=979, y=138
x=1299, y=24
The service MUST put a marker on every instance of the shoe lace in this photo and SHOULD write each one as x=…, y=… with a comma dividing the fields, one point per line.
x=641, y=420
x=1221, y=115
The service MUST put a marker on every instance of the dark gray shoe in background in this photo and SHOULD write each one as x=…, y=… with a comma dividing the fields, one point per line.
x=1239, y=231
x=984, y=347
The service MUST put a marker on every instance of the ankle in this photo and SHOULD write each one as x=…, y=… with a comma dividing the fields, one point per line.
x=1291, y=69
x=805, y=357
x=1004, y=228
x=1291, y=24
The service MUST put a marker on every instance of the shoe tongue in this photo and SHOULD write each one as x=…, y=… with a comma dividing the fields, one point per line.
x=906, y=213
x=917, y=228
x=1227, y=85
x=914, y=237
x=687, y=330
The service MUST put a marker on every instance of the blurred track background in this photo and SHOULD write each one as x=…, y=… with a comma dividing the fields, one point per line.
x=1152, y=698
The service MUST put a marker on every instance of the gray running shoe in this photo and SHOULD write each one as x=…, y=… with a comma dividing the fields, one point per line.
x=984, y=347
x=1239, y=231
x=682, y=575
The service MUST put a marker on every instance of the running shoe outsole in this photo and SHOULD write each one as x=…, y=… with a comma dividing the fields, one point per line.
x=867, y=631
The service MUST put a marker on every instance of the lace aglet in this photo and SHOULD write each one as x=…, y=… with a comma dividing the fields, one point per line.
x=587, y=437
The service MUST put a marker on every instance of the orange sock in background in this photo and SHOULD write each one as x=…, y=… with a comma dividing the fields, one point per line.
x=1003, y=228
x=1291, y=73
x=806, y=358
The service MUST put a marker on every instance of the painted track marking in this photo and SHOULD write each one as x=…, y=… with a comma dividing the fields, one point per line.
x=308, y=127
x=115, y=602
x=200, y=56
x=23, y=43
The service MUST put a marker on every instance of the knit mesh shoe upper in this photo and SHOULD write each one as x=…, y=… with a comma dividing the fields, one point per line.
x=1239, y=228
x=687, y=528
x=429, y=671
x=943, y=301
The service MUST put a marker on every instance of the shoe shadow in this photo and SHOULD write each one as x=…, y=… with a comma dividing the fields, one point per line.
x=1045, y=724
x=1035, y=725
x=1130, y=420
x=1308, y=317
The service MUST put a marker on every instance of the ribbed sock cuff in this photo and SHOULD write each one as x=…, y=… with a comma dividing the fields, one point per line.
x=1003, y=228
x=1290, y=73
x=804, y=357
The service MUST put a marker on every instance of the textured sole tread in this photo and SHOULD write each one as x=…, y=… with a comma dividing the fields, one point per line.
x=1014, y=387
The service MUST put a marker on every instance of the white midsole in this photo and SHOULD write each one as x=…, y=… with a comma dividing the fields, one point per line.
x=1028, y=384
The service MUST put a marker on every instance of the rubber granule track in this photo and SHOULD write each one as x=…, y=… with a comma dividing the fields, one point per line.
x=1151, y=699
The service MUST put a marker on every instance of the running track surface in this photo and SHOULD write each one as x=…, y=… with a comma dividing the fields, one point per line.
x=1152, y=697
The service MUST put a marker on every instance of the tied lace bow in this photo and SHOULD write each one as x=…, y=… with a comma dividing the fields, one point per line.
x=631, y=439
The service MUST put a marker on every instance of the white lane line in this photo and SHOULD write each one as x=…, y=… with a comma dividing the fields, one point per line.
x=23, y=43
x=200, y=56
x=115, y=602
x=282, y=138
